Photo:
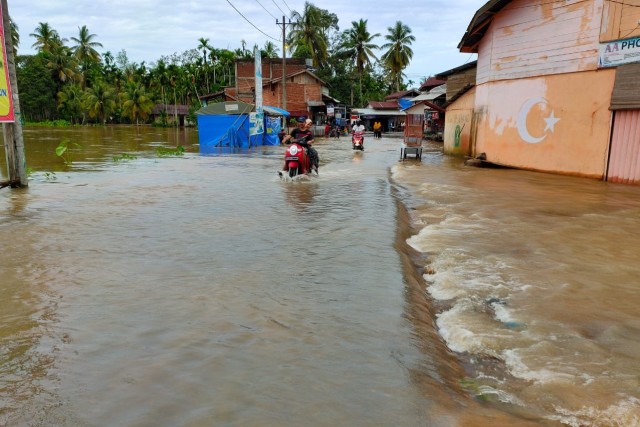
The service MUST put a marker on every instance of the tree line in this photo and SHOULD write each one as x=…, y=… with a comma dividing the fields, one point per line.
x=69, y=79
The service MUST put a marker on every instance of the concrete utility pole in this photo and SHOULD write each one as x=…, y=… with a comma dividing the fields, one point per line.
x=284, y=24
x=12, y=132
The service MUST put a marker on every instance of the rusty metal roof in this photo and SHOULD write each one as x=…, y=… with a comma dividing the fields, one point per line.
x=479, y=24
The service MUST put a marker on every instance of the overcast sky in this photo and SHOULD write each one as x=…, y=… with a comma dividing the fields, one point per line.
x=149, y=29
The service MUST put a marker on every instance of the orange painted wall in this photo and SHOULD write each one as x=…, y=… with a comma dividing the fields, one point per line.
x=458, y=119
x=557, y=123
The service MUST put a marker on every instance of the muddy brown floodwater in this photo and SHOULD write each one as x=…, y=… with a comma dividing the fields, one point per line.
x=144, y=289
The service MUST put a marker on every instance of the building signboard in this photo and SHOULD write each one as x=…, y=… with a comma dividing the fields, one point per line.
x=619, y=52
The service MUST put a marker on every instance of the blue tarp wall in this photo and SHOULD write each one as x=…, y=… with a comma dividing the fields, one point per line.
x=226, y=130
x=273, y=126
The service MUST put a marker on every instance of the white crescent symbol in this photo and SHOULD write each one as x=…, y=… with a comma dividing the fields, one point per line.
x=522, y=120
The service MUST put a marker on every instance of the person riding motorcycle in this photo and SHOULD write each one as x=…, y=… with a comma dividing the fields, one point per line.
x=359, y=127
x=303, y=136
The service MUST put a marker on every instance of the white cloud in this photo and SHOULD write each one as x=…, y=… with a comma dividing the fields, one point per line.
x=149, y=29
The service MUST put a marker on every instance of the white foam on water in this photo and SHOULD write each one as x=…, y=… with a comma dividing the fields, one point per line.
x=519, y=369
x=444, y=286
x=624, y=413
x=503, y=313
x=455, y=275
x=501, y=395
x=466, y=329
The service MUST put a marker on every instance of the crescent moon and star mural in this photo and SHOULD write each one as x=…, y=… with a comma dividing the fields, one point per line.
x=523, y=114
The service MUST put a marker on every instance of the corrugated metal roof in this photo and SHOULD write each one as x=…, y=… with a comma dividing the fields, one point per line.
x=430, y=83
x=402, y=94
x=374, y=112
x=458, y=69
x=479, y=24
x=383, y=105
x=433, y=94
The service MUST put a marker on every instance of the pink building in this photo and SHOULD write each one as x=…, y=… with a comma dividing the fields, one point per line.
x=556, y=88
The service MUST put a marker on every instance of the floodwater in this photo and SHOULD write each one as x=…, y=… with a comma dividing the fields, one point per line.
x=141, y=289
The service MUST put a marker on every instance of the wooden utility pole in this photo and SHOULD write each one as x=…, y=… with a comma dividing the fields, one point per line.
x=284, y=24
x=12, y=132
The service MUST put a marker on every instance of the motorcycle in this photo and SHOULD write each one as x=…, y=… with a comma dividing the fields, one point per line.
x=296, y=161
x=357, y=141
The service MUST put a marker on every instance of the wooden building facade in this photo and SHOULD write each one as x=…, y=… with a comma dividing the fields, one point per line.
x=546, y=72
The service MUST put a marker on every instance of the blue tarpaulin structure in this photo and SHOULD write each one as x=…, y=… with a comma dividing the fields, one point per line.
x=226, y=124
x=405, y=103
x=273, y=124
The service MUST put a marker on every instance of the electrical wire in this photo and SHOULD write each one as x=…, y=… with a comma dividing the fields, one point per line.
x=283, y=12
x=285, y=3
x=265, y=9
x=252, y=24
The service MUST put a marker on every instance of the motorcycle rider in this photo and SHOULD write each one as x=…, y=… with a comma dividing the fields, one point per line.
x=304, y=137
x=358, y=128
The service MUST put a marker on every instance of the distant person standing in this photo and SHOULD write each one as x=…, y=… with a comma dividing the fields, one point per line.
x=393, y=127
x=377, y=130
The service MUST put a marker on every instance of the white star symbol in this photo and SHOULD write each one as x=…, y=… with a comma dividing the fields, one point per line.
x=551, y=122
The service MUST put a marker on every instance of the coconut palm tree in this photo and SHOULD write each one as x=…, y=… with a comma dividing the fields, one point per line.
x=70, y=102
x=100, y=101
x=160, y=78
x=308, y=33
x=62, y=63
x=85, y=47
x=46, y=37
x=136, y=103
x=399, y=53
x=204, y=46
x=15, y=35
x=85, y=50
x=358, y=47
x=269, y=50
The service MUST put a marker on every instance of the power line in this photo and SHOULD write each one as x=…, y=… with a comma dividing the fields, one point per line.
x=274, y=2
x=257, y=1
x=285, y=3
x=252, y=24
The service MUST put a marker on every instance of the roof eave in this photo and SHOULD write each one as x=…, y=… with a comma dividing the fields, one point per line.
x=479, y=24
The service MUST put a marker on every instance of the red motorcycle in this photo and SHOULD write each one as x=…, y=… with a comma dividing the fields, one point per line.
x=296, y=160
x=357, y=141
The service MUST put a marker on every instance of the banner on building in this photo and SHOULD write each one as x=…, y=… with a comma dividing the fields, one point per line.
x=619, y=52
x=6, y=101
x=259, y=119
x=330, y=110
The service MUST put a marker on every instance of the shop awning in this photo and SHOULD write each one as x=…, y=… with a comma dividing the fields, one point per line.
x=275, y=111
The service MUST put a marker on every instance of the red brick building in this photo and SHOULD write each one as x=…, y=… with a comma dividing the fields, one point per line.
x=307, y=94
